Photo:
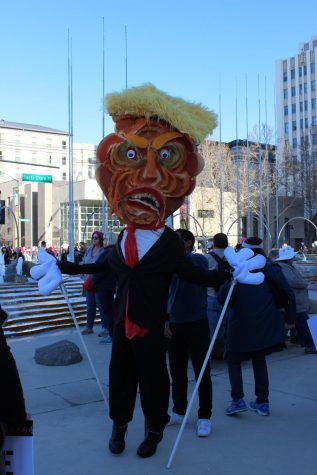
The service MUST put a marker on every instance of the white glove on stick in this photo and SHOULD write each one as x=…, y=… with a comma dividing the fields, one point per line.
x=47, y=273
x=243, y=263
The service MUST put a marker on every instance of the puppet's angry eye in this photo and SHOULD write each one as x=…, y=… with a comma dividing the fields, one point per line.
x=126, y=154
x=131, y=154
x=170, y=155
x=165, y=153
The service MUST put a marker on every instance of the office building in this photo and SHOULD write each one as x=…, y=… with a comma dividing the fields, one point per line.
x=34, y=169
x=296, y=108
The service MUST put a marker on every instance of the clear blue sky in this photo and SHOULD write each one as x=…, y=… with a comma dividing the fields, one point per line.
x=183, y=47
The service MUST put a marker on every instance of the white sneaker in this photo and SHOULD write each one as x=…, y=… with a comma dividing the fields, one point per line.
x=175, y=419
x=203, y=427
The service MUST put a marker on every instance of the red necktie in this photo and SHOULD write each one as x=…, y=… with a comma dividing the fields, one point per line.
x=130, y=247
x=131, y=259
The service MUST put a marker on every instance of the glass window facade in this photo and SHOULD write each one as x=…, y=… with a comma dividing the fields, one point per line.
x=87, y=219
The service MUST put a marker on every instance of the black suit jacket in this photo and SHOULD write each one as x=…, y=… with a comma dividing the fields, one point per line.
x=146, y=285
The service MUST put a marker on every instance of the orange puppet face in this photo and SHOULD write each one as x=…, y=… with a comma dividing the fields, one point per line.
x=145, y=170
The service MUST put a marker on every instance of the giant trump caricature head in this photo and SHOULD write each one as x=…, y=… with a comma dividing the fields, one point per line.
x=148, y=166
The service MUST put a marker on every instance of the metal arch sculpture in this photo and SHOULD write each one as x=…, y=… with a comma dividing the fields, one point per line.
x=196, y=222
x=292, y=219
x=256, y=217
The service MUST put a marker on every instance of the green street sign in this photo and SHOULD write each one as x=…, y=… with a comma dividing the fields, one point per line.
x=37, y=178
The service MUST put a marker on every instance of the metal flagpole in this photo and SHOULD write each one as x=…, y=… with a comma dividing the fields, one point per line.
x=71, y=311
x=103, y=200
x=200, y=375
x=267, y=171
x=220, y=161
x=248, y=158
x=126, y=55
x=70, y=155
x=276, y=175
x=260, y=165
x=237, y=159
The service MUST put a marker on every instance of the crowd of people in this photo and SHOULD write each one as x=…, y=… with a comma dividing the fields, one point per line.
x=192, y=316
x=151, y=289
x=255, y=325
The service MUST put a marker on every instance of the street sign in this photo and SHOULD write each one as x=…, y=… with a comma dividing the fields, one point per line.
x=37, y=178
x=24, y=220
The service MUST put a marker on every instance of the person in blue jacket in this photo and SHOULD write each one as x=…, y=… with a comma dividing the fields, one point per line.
x=188, y=330
x=254, y=329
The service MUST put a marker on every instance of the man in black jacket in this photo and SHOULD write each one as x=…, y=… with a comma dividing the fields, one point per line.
x=145, y=169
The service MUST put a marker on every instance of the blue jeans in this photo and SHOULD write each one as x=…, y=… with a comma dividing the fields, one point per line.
x=104, y=302
x=213, y=312
x=261, y=377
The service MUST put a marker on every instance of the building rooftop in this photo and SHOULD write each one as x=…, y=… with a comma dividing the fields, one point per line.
x=30, y=127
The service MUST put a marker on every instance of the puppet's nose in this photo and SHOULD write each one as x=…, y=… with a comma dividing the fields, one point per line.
x=150, y=170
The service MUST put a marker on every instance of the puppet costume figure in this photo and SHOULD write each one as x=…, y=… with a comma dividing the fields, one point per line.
x=145, y=169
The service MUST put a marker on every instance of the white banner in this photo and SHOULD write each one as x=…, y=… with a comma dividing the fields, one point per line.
x=18, y=453
x=312, y=324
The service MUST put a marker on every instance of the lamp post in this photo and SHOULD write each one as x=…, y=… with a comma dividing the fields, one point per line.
x=13, y=212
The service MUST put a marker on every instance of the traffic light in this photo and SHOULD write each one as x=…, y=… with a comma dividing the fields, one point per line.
x=2, y=211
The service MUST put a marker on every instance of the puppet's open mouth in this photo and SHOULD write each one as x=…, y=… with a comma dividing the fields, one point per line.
x=145, y=199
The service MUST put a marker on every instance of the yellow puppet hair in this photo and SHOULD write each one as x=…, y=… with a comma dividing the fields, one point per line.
x=147, y=101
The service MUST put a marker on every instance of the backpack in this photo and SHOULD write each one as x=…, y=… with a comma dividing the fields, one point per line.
x=279, y=294
x=223, y=264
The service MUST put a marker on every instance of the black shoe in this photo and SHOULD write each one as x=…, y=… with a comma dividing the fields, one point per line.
x=116, y=441
x=149, y=444
x=310, y=350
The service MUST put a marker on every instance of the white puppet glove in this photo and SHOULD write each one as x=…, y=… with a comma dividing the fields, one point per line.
x=243, y=262
x=47, y=273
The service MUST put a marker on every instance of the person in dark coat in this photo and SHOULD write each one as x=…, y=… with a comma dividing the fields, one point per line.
x=300, y=287
x=254, y=329
x=12, y=405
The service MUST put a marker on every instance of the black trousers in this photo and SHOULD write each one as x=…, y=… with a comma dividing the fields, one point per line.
x=139, y=362
x=261, y=378
x=190, y=339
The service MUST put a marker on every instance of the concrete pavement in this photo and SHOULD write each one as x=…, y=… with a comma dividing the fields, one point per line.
x=71, y=427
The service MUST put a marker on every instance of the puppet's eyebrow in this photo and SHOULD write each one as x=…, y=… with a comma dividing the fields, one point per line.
x=138, y=141
x=157, y=143
x=161, y=140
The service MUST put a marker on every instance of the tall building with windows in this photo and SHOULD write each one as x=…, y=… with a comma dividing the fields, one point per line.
x=296, y=108
x=34, y=170
x=34, y=149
